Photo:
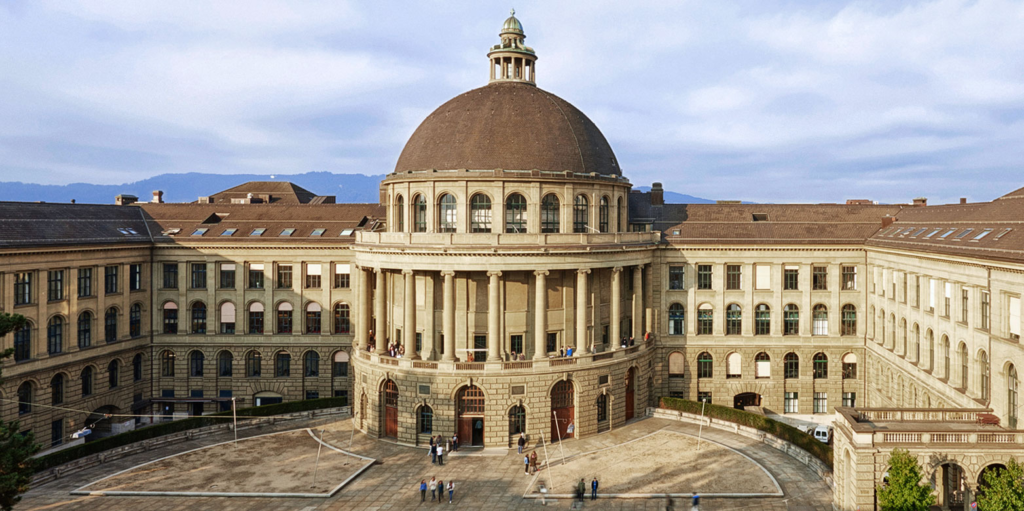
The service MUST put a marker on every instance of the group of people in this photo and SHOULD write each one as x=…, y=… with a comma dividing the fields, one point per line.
x=581, y=490
x=438, y=446
x=437, y=489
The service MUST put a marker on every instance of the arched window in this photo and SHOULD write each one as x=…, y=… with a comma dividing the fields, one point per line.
x=762, y=320
x=705, y=365
x=903, y=336
x=224, y=362
x=284, y=318
x=135, y=321
x=342, y=321
x=791, y=366
x=55, y=335
x=425, y=420
x=419, y=213
x=676, y=319
x=791, y=320
x=447, y=214
x=110, y=325
x=313, y=313
x=962, y=353
x=253, y=364
x=733, y=319
x=23, y=343
x=580, y=214
x=227, y=318
x=850, y=366
x=282, y=364
x=516, y=420
x=705, y=319
x=167, y=363
x=820, y=366
x=25, y=398
x=195, y=364
x=549, y=214
x=915, y=347
x=137, y=368
x=930, y=339
x=820, y=317
x=400, y=214
x=113, y=373
x=733, y=365
x=762, y=365
x=255, y=318
x=57, y=390
x=676, y=365
x=945, y=358
x=515, y=214
x=1012, y=385
x=881, y=325
x=892, y=331
x=85, y=329
x=480, y=213
x=198, y=318
x=602, y=215
x=620, y=215
x=170, y=318
x=849, y=322
x=87, y=378
x=983, y=370
x=311, y=364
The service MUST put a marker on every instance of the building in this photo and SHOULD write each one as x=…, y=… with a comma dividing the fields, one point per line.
x=506, y=236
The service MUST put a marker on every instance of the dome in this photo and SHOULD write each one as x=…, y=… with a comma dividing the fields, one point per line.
x=509, y=126
x=512, y=24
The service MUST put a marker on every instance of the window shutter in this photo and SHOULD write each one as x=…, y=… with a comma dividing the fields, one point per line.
x=931, y=295
x=763, y=273
x=764, y=368
x=256, y=267
x=313, y=269
x=1015, y=315
x=733, y=364
x=227, y=267
x=227, y=312
x=342, y=269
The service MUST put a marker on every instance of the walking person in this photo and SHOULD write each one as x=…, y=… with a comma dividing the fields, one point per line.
x=455, y=442
x=533, y=462
x=440, y=491
x=451, y=491
x=433, y=451
x=423, y=490
x=440, y=455
x=526, y=463
x=581, y=490
x=433, y=488
x=593, y=489
x=522, y=442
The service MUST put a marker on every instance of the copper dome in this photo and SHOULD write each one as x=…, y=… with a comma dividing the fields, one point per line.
x=509, y=126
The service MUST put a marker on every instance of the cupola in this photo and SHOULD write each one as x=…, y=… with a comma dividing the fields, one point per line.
x=512, y=61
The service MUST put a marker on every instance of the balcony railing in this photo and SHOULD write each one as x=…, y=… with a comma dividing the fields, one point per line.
x=505, y=240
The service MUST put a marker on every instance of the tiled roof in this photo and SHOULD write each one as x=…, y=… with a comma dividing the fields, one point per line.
x=45, y=224
x=274, y=192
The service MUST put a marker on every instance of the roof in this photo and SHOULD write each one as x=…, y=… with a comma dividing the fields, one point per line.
x=47, y=224
x=509, y=126
x=274, y=192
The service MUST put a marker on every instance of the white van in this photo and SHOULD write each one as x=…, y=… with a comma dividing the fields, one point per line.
x=823, y=434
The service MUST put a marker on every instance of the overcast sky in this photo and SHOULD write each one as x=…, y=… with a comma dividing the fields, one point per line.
x=768, y=101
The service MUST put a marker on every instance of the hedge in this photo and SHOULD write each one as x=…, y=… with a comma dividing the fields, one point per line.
x=167, y=428
x=784, y=431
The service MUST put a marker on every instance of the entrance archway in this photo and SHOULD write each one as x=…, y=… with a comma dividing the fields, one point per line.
x=951, y=485
x=985, y=472
x=746, y=399
x=630, y=393
x=389, y=400
x=563, y=399
x=470, y=408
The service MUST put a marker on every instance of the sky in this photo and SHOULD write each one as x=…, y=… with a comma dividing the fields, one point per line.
x=766, y=100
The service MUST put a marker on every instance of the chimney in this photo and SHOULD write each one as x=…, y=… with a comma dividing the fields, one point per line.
x=72, y=201
x=920, y=201
x=963, y=200
x=887, y=221
x=657, y=195
x=158, y=197
x=125, y=199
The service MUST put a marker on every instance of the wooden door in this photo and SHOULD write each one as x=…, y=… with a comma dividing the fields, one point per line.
x=630, y=394
x=465, y=430
x=391, y=422
x=563, y=411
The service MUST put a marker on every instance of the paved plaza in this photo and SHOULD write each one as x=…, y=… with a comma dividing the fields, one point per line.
x=493, y=479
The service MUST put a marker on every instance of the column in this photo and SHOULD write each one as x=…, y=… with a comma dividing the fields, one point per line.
x=409, y=328
x=361, y=305
x=448, y=316
x=380, y=329
x=540, y=324
x=638, y=303
x=493, y=317
x=615, y=326
x=581, y=311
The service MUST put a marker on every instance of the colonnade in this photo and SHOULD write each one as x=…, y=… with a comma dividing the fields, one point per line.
x=374, y=298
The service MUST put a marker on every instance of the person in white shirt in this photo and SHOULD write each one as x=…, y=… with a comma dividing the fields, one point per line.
x=440, y=454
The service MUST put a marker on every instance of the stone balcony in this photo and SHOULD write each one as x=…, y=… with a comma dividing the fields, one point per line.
x=504, y=242
x=917, y=428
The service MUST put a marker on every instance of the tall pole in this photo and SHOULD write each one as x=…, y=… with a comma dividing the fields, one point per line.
x=700, y=430
x=234, y=414
x=317, y=466
x=547, y=458
x=558, y=430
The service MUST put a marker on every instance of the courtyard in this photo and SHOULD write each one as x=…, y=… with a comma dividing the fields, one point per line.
x=636, y=464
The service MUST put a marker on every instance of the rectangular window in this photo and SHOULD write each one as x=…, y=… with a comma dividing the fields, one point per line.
x=84, y=282
x=819, y=279
x=792, y=403
x=339, y=369
x=849, y=370
x=198, y=276
x=313, y=275
x=986, y=310
x=947, y=298
x=56, y=432
x=733, y=277
x=342, y=280
x=676, y=277
x=170, y=276
x=791, y=278
x=516, y=343
x=552, y=344
x=312, y=394
x=704, y=276
x=23, y=288
x=284, y=276
x=224, y=405
x=964, y=305
x=850, y=399
x=704, y=397
x=343, y=394
x=932, y=290
x=893, y=281
x=256, y=276
x=917, y=290
x=135, y=277
x=791, y=320
x=227, y=276
x=55, y=285
x=110, y=274
x=1014, y=315
x=820, y=402
x=705, y=321
x=903, y=287
x=762, y=276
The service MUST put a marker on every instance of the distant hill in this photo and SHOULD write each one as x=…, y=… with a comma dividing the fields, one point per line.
x=189, y=187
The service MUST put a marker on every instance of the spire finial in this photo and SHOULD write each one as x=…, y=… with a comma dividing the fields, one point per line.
x=513, y=11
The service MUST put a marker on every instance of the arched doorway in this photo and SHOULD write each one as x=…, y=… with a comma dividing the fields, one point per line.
x=470, y=421
x=101, y=423
x=389, y=400
x=951, y=485
x=630, y=393
x=267, y=398
x=987, y=472
x=746, y=399
x=563, y=399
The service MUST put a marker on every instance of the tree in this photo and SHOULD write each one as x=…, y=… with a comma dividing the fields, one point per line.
x=1003, y=489
x=16, y=450
x=904, y=491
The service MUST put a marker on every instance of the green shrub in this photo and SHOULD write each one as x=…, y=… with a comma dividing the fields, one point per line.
x=784, y=431
x=167, y=428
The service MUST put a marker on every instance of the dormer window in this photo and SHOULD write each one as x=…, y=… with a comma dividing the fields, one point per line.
x=918, y=233
x=946, y=234
x=982, y=234
x=346, y=232
x=229, y=232
x=288, y=232
x=760, y=217
x=200, y=231
x=318, y=232
x=258, y=231
x=965, y=233
x=1000, y=235
x=933, y=233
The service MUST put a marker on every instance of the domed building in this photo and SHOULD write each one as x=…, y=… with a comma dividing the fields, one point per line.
x=506, y=294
